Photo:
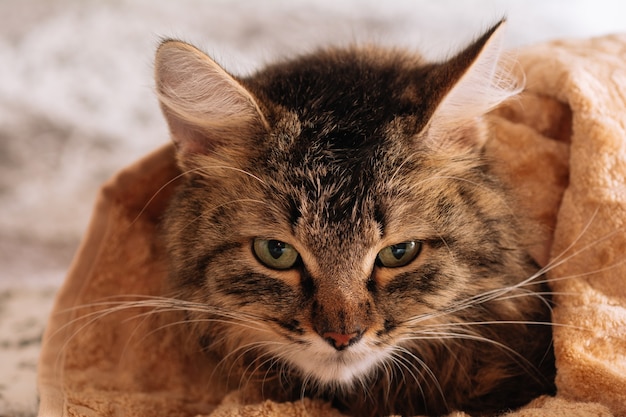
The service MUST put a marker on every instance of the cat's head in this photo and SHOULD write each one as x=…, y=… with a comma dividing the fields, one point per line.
x=337, y=204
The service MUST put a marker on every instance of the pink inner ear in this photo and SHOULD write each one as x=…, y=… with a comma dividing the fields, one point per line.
x=187, y=139
x=485, y=81
x=205, y=107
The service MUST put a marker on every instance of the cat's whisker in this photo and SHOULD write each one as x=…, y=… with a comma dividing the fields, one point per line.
x=361, y=384
x=543, y=296
x=274, y=368
x=238, y=321
x=532, y=280
x=159, y=306
x=387, y=369
x=104, y=303
x=400, y=361
x=270, y=375
x=71, y=325
x=226, y=359
x=424, y=368
x=235, y=357
x=499, y=322
x=484, y=297
x=108, y=305
x=512, y=291
x=252, y=371
x=306, y=382
x=87, y=319
x=556, y=260
x=461, y=305
x=422, y=335
x=205, y=170
x=564, y=257
x=471, y=302
x=586, y=273
x=157, y=192
x=241, y=352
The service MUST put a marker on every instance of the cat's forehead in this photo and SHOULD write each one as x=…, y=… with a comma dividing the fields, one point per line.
x=339, y=122
x=344, y=95
x=334, y=185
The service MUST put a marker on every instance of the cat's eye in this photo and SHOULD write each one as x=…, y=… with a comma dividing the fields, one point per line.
x=399, y=254
x=275, y=254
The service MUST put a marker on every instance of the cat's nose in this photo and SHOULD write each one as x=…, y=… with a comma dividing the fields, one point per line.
x=341, y=341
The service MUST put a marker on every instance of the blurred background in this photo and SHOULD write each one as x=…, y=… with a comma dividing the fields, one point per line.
x=77, y=104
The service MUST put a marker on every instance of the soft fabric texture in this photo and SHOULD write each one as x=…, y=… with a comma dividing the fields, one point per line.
x=562, y=148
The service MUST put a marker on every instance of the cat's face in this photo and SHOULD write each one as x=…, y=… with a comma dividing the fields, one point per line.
x=337, y=213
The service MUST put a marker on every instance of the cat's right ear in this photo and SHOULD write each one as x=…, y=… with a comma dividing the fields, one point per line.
x=208, y=111
x=469, y=85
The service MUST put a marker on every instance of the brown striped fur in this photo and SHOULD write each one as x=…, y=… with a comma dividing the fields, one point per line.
x=340, y=154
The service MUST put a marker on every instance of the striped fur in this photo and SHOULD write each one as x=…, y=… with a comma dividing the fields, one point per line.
x=340, y=154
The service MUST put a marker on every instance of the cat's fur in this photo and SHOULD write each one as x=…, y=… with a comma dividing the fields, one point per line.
x=342, y=153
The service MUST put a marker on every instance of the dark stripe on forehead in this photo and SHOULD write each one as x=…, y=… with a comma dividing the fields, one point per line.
x=343, y=95
x=294, y=212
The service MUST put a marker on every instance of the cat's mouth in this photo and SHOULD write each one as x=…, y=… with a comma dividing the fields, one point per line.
x=328, y=366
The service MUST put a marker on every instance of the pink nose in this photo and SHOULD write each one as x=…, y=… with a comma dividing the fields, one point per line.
x=341, y=341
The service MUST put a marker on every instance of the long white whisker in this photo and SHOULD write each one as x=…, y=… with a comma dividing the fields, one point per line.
x=488, y=322
x=426, y=369
x=157, y=192
x=556, y=262
x=204, y=170
x=443, y=335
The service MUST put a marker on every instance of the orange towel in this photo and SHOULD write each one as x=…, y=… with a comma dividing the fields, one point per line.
x=562, y=145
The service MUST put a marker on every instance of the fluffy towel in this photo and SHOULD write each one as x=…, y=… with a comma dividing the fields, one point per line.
x=563, y=149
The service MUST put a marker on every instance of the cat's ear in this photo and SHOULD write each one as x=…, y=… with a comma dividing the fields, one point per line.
x=208, y=111
x=471, y=84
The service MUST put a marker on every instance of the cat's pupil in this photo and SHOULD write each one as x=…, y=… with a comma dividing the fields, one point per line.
x=276, y=248
x=399, y=250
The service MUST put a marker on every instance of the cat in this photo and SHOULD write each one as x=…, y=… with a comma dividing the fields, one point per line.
x=341, y=229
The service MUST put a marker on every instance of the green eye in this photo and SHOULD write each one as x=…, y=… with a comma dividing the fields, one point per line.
x=275, y=254
x=399, y=255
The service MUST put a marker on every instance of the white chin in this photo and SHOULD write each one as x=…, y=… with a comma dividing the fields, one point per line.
x=329, y=367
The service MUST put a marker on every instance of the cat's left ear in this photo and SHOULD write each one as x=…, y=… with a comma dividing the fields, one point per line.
x=471, y=84
x=209, y=112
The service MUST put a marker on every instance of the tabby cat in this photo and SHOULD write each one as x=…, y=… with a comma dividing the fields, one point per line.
x=341, y=235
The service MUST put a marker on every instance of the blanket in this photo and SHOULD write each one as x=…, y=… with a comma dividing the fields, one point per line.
x=561, y=146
